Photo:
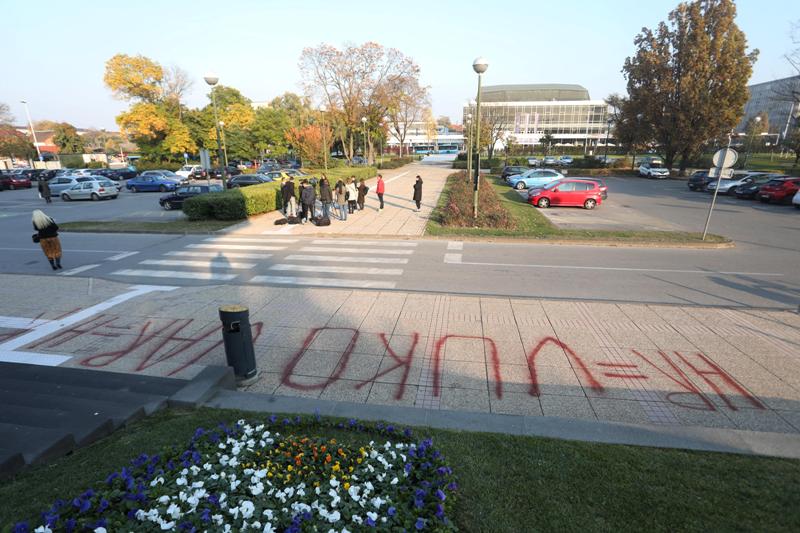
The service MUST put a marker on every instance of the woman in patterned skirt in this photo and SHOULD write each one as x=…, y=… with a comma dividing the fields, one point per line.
x=47, y=231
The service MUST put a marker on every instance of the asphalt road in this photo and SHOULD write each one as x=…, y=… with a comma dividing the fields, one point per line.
x=761, y=271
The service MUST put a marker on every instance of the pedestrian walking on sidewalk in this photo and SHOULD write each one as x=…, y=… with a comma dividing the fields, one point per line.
x=362, y=194
x=288, y=198
x=47, y=237
x=352, y=194
x=325, y=196
x=341, y=199
x=418, y=193
x=308, y=197
x=380, y=188
x=44, y=190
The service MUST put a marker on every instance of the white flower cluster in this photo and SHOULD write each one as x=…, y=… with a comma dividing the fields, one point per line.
x=231, y=497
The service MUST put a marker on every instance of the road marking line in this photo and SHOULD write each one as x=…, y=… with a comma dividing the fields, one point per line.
x=340, y=269
x=396, y=177
x=214, y=264
x=364, y=243
x=249, y=239
x=16, y=322
x=54, y=325
x=235, y=247
x=325, y=282
x=284, y=230
x=349, y=259
x=31, y=358
x=625, y=269
x=174, y=274
x=235, y=255
x=77, y=270
x=123, y=255
x=355, y=250
x=455, y=245
x=452, y=258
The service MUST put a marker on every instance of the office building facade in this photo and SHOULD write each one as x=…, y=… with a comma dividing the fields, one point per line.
x=773, y=98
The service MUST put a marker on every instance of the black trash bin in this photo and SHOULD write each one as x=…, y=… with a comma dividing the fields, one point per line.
x=238, y=340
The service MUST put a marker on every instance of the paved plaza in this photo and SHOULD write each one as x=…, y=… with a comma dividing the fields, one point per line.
x=633, y=363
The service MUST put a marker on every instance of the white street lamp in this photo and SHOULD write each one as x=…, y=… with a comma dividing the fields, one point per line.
x=366, y=153
x=212, y=80
x=33, y=133
x=480, y=65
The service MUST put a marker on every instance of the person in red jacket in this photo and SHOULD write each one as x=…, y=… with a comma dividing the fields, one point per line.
x=380, y=189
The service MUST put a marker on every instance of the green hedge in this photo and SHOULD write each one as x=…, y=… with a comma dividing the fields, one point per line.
x=234, y=204
x=343, y=172
x=397, y=162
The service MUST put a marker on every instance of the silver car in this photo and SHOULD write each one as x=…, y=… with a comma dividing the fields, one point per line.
x=91, y=190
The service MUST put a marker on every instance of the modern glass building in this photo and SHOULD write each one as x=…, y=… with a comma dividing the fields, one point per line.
x=528, y=112
x=772, y=97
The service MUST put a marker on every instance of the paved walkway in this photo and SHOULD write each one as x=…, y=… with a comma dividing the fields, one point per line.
x=398, y=217
x=641, y=364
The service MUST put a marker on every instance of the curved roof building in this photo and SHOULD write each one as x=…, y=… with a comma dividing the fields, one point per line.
x=535, y=92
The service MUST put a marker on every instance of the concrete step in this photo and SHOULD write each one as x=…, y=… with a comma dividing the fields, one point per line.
x=37, y=444
x=117, y=381
x=65, y=398
x=11, y=462
x=97, y=396
x=85, y=427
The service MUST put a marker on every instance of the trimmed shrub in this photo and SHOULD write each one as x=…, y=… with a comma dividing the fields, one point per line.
x=95, y=164
x=396, y=162
x=199, y=207
x=235, y=204
x=72, y=161
x=457, y=208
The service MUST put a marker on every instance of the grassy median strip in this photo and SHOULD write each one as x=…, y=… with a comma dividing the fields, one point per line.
x=531, y=224
x=132, y=226
x=506, y=483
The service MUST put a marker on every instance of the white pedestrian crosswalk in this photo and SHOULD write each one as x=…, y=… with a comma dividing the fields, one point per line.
x=242, y=259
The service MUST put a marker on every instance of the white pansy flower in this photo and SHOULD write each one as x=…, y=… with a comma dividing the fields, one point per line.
x=45, y=529
x=163, y=499
x=247, y=509
x=372, y=515
x=353, y=492
x=174, y=511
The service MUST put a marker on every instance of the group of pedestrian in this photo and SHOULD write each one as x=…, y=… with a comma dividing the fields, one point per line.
x=347, y=197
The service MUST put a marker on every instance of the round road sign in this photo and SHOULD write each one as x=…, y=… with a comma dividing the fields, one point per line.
x=725, y=158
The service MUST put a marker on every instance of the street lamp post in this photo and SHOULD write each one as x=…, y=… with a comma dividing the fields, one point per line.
x=366, y=154
x=224, y=143
x=750, y=143
x=479, y=66
x=212, y=80
x=322, y=110
x=33, y=133
x=608, y=130
x=469, y=145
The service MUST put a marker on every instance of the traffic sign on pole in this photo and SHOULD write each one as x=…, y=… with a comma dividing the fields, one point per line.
x=725, y=158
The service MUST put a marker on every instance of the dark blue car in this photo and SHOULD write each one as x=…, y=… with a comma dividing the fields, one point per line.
x=154, y=180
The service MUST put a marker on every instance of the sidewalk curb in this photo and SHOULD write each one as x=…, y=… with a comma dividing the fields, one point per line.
x=656, y=436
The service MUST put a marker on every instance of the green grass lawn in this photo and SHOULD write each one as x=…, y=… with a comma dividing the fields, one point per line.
x=771, y=163
x=531, y=224
x=507, y=483
x=182, y=225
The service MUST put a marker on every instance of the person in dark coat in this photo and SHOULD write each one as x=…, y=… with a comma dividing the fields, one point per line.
x=44, y=190
x=325, y=196
x=362, y=194
x=418, y=193
x=308, y=196
x=47, y=233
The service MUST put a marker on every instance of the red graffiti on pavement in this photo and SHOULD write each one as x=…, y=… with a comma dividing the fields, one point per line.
x=576, y=360
x=437, y=362
x=404, y=363
x=286, y=377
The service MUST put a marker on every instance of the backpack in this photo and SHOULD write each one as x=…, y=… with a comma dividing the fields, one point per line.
x=322, y=221
x=293, y=220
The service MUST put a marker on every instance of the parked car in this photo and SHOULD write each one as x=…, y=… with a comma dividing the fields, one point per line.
x=61, y=183
x=653, y=170
x=779, y=190
x=176, y=199
x=216, y=173
x=601, y=183
x=749, y=191
x=151, y=182
x=534, y=178
x=512, y=171
x=186, y=171
x=11, y=180
x=565, y=161
x=245, y=180
x=550, y=161
x=126, y=173
x=291, y=163
x=91, y=190
x=534, y=162
x=567, y=192
x=268, y=166
x=198, y=173
x=698, y=181
x=164, y=174
x=729, y=185
x=796, y=200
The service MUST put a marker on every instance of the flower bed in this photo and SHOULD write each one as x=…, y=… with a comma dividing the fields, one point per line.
x=268, y=476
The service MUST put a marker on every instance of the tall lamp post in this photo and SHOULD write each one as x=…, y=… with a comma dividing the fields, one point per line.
x=33, y=133
x=322, y=110
x=212, y=80
x=366, y=154
x=608, y=130
x=479, y=66
x=750, y=143
x=224, y=143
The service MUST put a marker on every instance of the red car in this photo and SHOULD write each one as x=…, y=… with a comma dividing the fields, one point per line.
x=573, y=192
x=9, y=181
x=779, y=190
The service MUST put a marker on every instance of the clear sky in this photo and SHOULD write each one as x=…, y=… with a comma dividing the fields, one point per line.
x=53, y=51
